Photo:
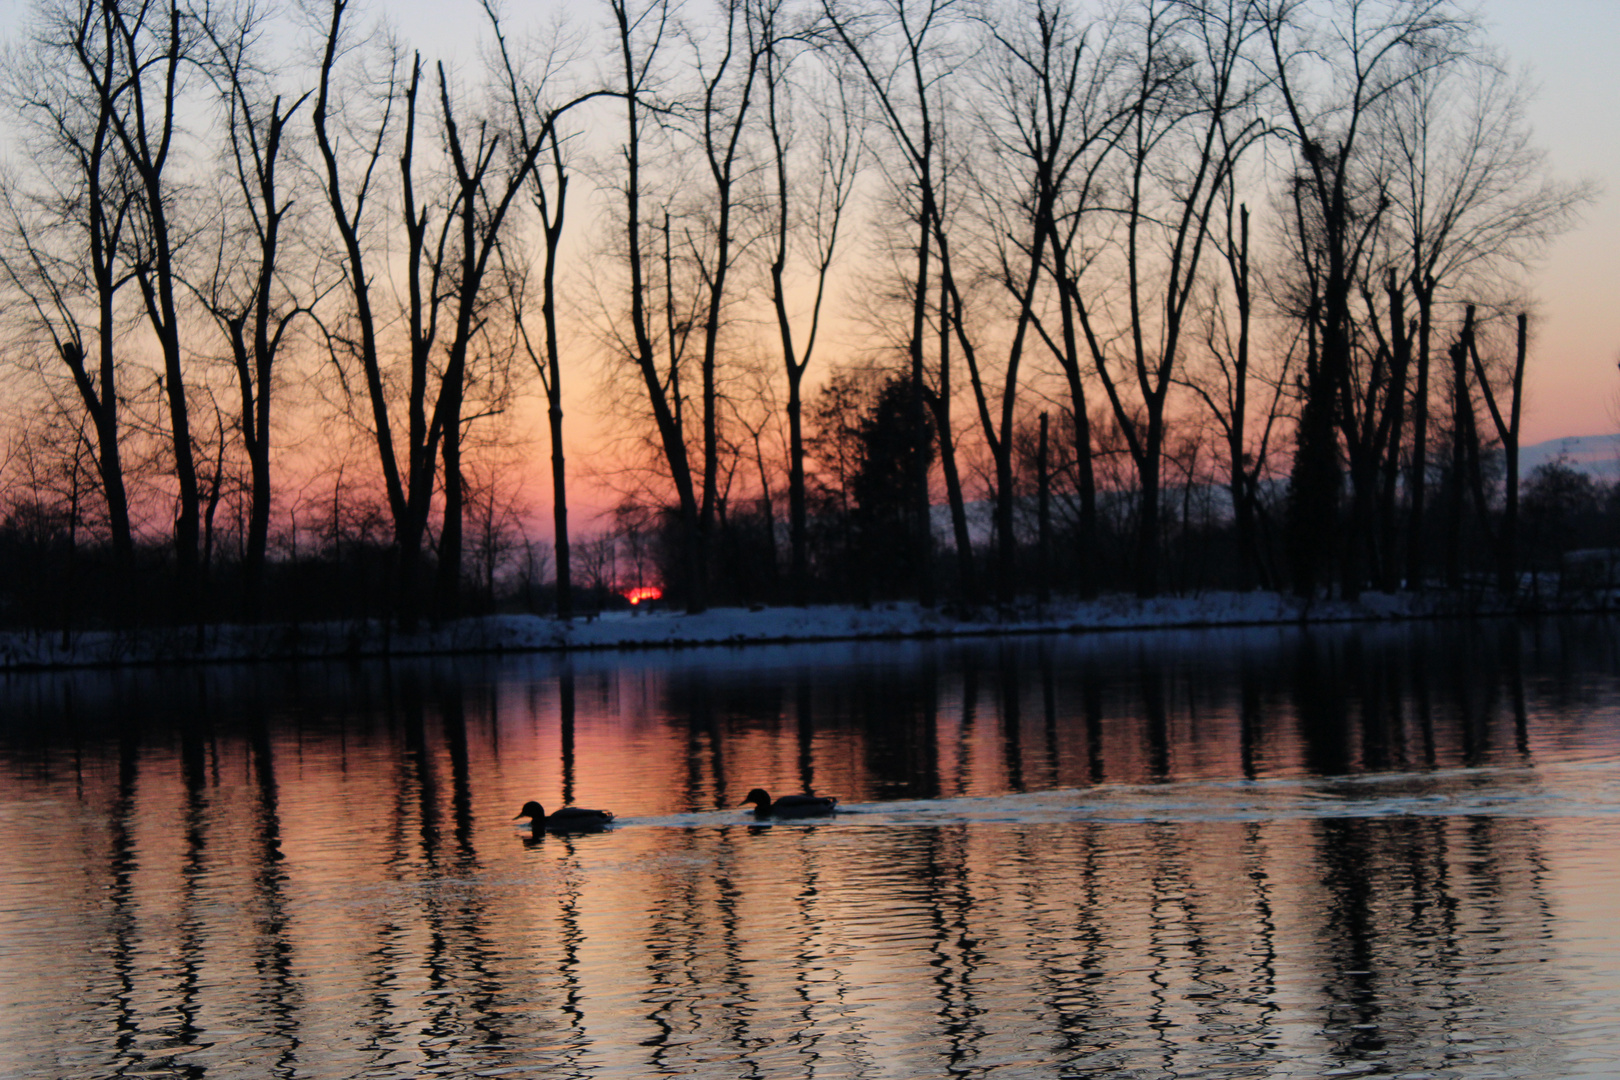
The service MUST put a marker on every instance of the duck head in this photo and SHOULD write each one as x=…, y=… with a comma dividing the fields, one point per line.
x=533, y=811
x=758, y=797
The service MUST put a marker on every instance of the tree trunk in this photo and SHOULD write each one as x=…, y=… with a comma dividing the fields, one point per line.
x=798, y=516
x=1507, y=541
x=693, y=555
x=967, y=577
x=922, y=505
x=1043, y=511
x=1400, y=341
x=1458, y=464
x=559, y=503
x=1242, y=492
x=1423, y=291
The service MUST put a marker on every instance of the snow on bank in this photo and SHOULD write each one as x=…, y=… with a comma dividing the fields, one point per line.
x=665, y=629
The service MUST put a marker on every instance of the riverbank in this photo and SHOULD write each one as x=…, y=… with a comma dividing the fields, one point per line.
x=642, y=629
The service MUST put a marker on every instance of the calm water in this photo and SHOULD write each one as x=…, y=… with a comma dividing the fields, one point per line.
x=1265, y=853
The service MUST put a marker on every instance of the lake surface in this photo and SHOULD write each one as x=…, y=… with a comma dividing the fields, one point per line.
x=1348, y=851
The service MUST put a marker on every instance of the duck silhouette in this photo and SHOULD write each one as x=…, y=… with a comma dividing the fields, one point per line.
x=568, y=819
x=789, y=805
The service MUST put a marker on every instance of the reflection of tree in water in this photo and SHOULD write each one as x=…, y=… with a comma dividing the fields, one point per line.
x=122, y=868
x=1413, y=942
x=948, y=719
x=744, y=961
x=1178, y=949
x=804, y=731
x=822, y=1016
x=1320, y=707
x=571, y=940
x=1066, y=945
x=953, y=950
x=173, y=864
x=565, y=720
x=1009, y=695
x=1326, y=701
x=278, y=997
x=1250, y=718
x=689, y=700
x=1177, y=946
x=160, y=1004
x=190, y=946
x=1429, y=938
x=433, y=992
x=816, y=950
x=1092, y=710
x=1155, y=720
x=697, y=993
x=899, y=725
x=1374, y=705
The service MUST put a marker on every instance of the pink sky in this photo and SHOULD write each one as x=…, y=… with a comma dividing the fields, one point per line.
x=1569, y=45
x=1568, y=48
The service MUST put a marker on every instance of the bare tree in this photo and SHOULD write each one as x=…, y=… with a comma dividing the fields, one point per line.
x=731, y=81
x=641, y=36
x=495, y=510
x=248, y=296
x=65, y=233
x=814, y=221
x=352, y=187
x=46, y=478
x=682, y=263
x=1507, y=430
x=1077, y=121
x=1470, y=200
x=548, y=194
x=1334, y=69
x=905, y=52
x=153, y=44
x=1049, y=126
x=550, y=200
x=449, y=250
x=1191, y=119
x=1225, y=388
x=353, y=184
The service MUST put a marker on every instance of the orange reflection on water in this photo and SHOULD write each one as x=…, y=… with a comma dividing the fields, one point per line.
x=1276, y=854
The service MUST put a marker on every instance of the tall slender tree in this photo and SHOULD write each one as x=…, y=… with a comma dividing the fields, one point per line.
x=1052, y=121
x=1192, y=117
x=247, y=294
x=1470, y=196
x=1330, y=97
x=813, y=222
x=66, y=231
x=154, y=45
x=905, y=52
x=640, y=36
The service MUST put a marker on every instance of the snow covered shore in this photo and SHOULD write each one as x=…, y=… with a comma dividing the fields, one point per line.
x=721, y=626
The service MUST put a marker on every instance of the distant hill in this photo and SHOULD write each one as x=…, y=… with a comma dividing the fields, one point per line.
x=1598, y=455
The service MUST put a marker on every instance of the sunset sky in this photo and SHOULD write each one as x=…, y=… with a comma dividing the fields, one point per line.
x=1567, y=47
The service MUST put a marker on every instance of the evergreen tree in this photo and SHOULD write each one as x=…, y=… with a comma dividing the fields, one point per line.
x=897, y=443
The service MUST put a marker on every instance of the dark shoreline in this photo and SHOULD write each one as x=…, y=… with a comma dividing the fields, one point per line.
x=28, y=651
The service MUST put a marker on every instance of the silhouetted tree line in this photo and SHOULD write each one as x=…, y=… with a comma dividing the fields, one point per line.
x=1159, y=295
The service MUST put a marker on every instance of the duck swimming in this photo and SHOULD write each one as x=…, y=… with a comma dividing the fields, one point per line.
x=790, y=805
x=568, y=819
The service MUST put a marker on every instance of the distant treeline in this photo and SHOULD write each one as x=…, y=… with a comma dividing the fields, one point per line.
x=1155, y=295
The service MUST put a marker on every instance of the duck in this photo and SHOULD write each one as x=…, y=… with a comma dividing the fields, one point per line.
x=789, y=805
x=568, y=819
